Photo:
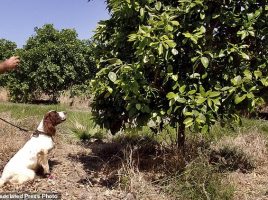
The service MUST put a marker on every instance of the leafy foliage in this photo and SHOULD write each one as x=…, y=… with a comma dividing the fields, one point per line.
x=51, y=61
x=189, y=62
x=7, y=49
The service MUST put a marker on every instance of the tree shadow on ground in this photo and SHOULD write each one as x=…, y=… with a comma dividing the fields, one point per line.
x=142, y=153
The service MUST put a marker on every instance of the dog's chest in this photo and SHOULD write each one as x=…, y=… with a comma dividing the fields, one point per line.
x=37, y=144
x=41, y=142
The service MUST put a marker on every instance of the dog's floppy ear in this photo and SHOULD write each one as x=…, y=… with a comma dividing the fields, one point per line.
x=49, y=128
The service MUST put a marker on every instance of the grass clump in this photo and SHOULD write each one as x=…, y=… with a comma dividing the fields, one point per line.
x=83, y=128
x=243, y=152
x=231, y=159
x=199, y=181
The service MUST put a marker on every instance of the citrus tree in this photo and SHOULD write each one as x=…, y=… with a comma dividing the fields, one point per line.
x=187, y=63
x=51, y=61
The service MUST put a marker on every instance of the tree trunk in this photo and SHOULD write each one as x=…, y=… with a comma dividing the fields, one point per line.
x=181, y=137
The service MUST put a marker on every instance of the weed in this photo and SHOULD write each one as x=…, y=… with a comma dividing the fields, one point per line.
x=84, y=129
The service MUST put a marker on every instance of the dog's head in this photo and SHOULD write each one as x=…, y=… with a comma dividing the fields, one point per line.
x=51, y=120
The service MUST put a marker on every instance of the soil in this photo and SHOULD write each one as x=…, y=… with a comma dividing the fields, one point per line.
x=70, y=175
x=78, y=170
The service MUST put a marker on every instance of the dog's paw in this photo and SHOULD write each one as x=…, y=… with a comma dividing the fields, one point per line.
x=50, y=176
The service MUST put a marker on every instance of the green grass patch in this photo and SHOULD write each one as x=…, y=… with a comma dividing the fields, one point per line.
x=19, y=111
x=78, y=122
x=82, y=127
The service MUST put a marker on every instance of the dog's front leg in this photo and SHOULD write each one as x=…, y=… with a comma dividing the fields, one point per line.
x=43, y=161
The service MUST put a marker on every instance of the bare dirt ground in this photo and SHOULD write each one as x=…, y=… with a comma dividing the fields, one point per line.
x=77, y=172
x=92, y=170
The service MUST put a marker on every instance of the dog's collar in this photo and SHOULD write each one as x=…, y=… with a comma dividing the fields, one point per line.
x=36, y=133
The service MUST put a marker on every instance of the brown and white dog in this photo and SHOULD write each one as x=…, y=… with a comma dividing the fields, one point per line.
x=23, y=165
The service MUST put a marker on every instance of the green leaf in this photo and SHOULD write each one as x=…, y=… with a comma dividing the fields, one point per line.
x=221, y=54
x=216, y=101
x=174, y=77
x=195, y=75
x=132, y=37
x=248, y=74
x=169, y=28
x=250, y=16
x=194, y=58
x=191, y=92
x=250, y=95
x=175, y=23
x=209, y=103
x=142, y=13
x=204, y=129
x=171, y=95
x=160, y=49
x=243, y=34
x=146, y=59
x=257, y=74
x=264, y=81
x=114, y=61
x=237, y=80
x=205, y=75
x=245, y=56
x=239, y=99
x=110, y=90
x=170, y=43
x=112, y=76
x=188, y=122
x=158, y=5
x=201, y=100
x=138, y=106
x=252, y=33
x=202, y=91
x=181, y=100
x=188, y=114
x=202, y=16
x=205, y=61
x=107, y=95
x=182, y=89
x=214, y=94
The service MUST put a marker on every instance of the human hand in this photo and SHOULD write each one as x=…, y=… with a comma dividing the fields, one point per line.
x=10, y=63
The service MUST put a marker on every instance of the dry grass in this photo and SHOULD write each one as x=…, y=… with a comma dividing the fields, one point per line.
x=137, y=167
x=252, y=145
x=253, y=184
x=136, y=183
x=75, y=102
x=66, y=172
x=3, y=94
